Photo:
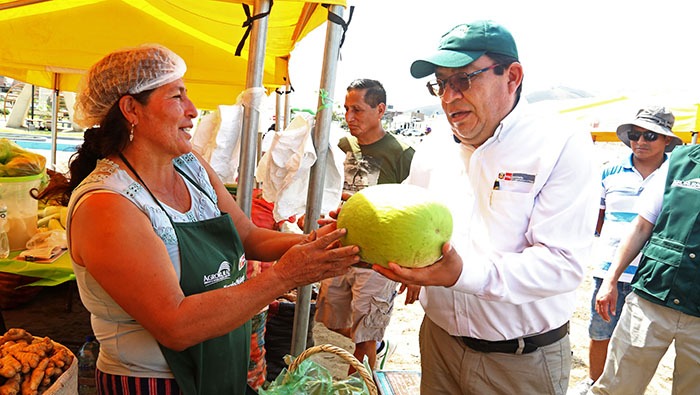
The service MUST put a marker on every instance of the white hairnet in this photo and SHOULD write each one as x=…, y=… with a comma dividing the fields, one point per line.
x=126, y=71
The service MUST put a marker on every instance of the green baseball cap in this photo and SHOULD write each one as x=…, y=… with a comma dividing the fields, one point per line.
x=464, y=44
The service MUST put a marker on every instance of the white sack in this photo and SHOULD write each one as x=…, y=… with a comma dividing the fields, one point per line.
x=284, y=170
x=217, y=137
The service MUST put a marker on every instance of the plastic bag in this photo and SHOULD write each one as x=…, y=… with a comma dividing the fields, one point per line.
x=278, y=335
x=284, y=170
x=310, y=378
x=17, y=162
x=48, y=239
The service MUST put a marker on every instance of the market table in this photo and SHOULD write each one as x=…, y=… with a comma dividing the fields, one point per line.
x=49, y=274
x=52, y=273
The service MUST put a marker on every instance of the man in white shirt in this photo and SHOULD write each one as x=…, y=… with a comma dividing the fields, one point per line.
x=522, y=190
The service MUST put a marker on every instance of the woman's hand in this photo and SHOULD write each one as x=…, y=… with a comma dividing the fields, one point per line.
x=316, y=258
x=445, y=272
x=331, y=218
x=606, y=300
x=322, y=221
x=326, y=228
x=327, y=223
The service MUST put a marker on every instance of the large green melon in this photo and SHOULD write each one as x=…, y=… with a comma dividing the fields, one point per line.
x=397, y=223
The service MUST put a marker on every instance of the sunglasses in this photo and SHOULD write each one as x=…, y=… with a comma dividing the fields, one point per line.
x=459, y=82
x=648, y=136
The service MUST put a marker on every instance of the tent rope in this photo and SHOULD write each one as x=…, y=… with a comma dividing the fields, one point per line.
x=286, y=92
x=248, y=24
x=335, y=18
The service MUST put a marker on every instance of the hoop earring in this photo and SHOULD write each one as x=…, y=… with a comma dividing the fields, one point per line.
x=131, y=133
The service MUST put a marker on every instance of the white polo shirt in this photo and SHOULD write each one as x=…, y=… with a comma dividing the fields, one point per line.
x=652, y=198
x=621, y=186
x=525, y=243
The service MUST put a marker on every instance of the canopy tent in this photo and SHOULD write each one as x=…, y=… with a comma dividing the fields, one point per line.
x=603, y=116
x=52, y=43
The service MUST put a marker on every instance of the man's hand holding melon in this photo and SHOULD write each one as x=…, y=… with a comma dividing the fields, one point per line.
x=403, y=231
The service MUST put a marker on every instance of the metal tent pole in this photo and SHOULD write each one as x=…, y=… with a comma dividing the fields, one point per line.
x=317, y=176
x=32, y=105
x=251, y=116
x=287, y=110
x=279, y=115
x=54, y=125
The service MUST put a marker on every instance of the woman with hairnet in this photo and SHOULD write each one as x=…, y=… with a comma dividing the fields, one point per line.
x=159, y=245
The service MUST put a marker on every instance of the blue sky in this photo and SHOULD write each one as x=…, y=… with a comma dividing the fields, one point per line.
x=606, y=47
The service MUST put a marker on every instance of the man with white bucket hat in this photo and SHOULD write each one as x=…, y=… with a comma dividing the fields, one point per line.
x=664, y=305
x=650, y=123
x=649, y=136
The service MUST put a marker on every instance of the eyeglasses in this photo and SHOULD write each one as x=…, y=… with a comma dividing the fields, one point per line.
x=458, y=81
x=634, y=135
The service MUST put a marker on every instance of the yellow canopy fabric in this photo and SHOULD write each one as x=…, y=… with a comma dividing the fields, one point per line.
x=51, y=43
x=605, y=115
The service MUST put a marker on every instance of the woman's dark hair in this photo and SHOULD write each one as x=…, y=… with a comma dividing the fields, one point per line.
x=99, y=142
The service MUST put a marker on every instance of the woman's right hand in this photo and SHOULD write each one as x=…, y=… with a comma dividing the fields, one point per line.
x=323, y=221
x=316, y=258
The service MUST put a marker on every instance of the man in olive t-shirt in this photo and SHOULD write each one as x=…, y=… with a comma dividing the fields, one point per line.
x=359, y=304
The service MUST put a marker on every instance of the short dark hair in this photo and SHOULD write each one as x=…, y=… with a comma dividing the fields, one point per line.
x=374, y=91
x=504, y=61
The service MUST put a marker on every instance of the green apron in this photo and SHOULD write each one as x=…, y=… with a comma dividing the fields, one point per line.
x=211, y=257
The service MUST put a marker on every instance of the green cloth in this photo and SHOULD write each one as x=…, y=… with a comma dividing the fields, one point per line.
x=50, y=274
x=669, y=272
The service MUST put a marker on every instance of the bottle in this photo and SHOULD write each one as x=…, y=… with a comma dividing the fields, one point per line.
x=4, y=240
x=87, y=360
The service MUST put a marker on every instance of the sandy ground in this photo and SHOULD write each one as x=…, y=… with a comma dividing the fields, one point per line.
x=405, y=323
x=660, y=384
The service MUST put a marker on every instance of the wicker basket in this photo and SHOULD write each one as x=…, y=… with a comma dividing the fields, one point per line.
x=366, y=376
x=67, y=382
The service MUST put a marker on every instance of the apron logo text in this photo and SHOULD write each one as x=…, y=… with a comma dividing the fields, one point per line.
x=690, y=184
x=223, y=274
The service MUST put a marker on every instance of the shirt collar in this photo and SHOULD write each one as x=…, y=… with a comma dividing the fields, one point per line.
x=628, y=164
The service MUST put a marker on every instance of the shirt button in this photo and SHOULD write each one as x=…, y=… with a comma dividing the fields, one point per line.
x=692, y=255
x=676, y=301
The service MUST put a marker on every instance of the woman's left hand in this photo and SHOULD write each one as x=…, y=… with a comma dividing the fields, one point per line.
x=327, y=228
x=316, y=258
